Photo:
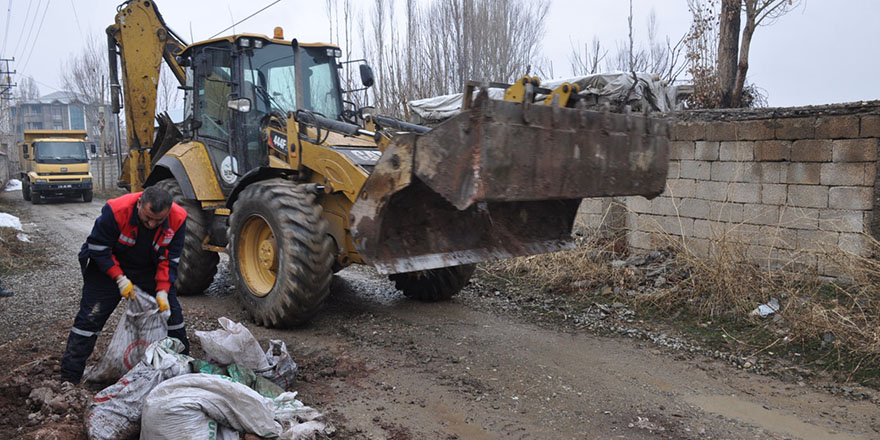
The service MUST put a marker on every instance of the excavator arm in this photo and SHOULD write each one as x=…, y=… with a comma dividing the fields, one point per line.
x=141, y=40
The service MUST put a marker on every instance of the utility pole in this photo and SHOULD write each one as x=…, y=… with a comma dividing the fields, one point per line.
x=103, y=135
x=7, y=130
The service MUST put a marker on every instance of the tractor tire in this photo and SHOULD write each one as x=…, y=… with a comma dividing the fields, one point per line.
x=26, y=190
x=281, y=252
x=197, y=267
x=434, y=284
x=88, y=195
x=36, y=198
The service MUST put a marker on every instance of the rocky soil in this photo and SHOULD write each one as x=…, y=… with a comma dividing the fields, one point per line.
x=491, y=364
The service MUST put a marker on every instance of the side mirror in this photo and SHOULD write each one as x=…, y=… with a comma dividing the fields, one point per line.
x=366, y=75
x=94, y=149
x=24, y=151
x=242, y=105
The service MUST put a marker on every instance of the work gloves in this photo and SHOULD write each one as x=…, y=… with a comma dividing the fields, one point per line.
x=162, y=299
x=126, y=289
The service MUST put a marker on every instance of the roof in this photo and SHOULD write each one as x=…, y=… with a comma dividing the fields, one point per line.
x=62, y=97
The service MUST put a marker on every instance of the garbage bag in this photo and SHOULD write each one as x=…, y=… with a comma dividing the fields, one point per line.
x=115, y=412
x=299, y=422
x=140, y=325
x=240, y=374
x=198, y=406
x=233, y=344
x=282, y=369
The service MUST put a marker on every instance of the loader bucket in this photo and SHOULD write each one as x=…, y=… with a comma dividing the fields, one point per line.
x=502, y=179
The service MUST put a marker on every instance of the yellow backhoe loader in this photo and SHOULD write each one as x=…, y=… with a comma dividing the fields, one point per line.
x=274, y=168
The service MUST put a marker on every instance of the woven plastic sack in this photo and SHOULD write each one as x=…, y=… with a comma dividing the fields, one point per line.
x=233, y=344
x=282, y=369
x=140, y=325
x=115, y=412
x=199, y=406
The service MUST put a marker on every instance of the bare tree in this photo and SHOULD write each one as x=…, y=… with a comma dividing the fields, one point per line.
x=27, y=89
x=85, y=74
x=168, y=97
x=733, y=64
x=444, y=43
x=586, y=62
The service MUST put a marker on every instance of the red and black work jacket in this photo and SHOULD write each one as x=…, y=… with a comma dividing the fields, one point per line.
x=111, y=245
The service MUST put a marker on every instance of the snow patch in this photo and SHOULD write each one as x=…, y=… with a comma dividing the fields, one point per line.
x=9, y=221
x=13, y=185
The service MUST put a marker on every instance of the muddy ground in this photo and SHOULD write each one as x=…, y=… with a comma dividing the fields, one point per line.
x=483, y=366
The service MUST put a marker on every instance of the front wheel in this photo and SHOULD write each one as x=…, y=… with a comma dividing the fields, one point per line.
x=36, y=197
x=281, y=252
x=433, y=284
x=197, y=266
x=26, y=190
x=87, y=195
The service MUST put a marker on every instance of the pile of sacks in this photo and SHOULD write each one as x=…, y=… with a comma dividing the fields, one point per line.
x=168, y=395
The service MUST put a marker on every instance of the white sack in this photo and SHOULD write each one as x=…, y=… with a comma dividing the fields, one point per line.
x=233, y=344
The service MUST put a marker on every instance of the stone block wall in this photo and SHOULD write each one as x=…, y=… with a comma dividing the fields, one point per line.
x=778, y=184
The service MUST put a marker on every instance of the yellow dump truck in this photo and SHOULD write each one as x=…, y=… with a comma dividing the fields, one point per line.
x=54, y=163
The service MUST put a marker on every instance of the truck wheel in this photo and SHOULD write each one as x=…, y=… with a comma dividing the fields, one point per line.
x=36, y=198
x=26, y=190
x=197, y=267
x=281, y=252
x=434, y=284
x=87, y=195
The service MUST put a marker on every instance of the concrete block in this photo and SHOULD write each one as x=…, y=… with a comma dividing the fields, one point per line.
x=811, y=150
x=842, y=221
x=772, y=172
x=766, y=151
x=856, y=244
x=845, y=174
x=779, y=237
x=773, y=194
x=817, y=241
x=725, y=212
x=807, y=196
x=706, y=150
x=805, y=173
x=720, y=131
x=850, y=197
x=665, y=206
x=674, y=171
x=666, y=225
x=737, y=151
x=744, y=233
x=682, y=188
x=636, y=204
x=799, y=218
x=755, y=130
x=641, y=240
x=837, y=127
x=592, y=206
x=681, y=150
x=686, y=131
x=736, y=172
x=697, y=247
x=745, y=192
x=694, y=208
x=855, y=150
x=712, y=191
x=695, y=169
x=796, y=128
x=758, y=214
x=870, y=126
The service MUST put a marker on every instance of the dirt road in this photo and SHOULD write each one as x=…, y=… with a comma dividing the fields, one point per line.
x=384, y=367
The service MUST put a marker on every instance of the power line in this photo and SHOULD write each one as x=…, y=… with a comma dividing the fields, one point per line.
x=6, y=35
x=21, y=34
x=245, y=19
x=37, y=37
x=75, y=17
x=30, y=30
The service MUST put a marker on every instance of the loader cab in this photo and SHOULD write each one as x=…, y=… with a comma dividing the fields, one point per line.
x=237, y=81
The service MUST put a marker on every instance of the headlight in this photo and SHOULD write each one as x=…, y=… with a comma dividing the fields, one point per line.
x=42, y=181
x=87, y=180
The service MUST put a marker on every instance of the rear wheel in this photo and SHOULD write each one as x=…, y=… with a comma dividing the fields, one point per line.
x=26, y=190
x=87, y=195
x=281, y=252
x=434, y=284
x=197, y=267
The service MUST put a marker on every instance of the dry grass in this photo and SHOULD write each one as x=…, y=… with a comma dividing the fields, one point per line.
x=832, y=323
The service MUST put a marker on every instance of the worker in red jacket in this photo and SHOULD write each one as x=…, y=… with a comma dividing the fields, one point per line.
x=137, y=240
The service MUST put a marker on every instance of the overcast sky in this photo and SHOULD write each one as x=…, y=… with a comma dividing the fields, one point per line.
x=825, y=52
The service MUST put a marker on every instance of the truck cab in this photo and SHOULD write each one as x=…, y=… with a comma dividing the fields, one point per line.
x=55, y=163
